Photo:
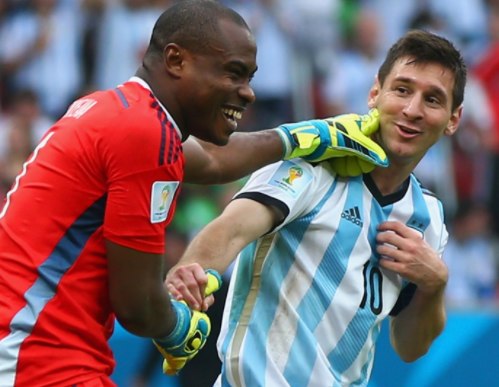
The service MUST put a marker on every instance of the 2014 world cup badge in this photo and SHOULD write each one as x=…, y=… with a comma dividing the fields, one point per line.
x=162, y=194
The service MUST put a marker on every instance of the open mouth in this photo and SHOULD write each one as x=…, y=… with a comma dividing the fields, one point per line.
x=232, y=115
x=408, y=131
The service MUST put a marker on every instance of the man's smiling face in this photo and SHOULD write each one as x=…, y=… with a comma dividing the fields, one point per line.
x=415, y=105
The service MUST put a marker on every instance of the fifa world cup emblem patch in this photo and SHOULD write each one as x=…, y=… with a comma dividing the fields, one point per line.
x=162, y=195
x=290, y=178
x=294, y=173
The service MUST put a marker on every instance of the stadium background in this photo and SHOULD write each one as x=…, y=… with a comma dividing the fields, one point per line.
x=316, y=58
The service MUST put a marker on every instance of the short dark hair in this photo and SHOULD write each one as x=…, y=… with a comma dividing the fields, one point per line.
x=191, y=24
x=426, y=47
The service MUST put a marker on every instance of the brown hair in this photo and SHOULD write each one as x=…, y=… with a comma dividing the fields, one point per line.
x=426, y=47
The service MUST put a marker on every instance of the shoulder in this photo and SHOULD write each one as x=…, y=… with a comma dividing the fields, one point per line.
x=426, y=192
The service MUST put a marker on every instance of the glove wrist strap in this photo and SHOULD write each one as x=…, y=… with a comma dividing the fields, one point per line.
x=286, y=143
x=177, y=335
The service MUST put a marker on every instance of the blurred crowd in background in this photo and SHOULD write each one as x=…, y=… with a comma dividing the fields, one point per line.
x=316, y=58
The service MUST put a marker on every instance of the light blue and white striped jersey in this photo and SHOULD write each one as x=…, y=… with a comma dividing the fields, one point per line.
x=306, y=301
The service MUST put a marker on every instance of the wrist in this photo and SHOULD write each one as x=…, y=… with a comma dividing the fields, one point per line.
x=287, y=141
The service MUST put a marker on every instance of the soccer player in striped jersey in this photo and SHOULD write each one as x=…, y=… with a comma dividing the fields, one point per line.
x=325, y=259
x=82, y=229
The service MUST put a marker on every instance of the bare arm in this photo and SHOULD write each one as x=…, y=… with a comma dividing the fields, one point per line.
x=415, y=328
x=246, y=152
x=138, y=295
x=217, y=245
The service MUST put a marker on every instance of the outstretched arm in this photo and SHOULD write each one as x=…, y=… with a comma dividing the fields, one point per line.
x=415, y=328
x=216, y=246
x=206, y=163
x=344, y=139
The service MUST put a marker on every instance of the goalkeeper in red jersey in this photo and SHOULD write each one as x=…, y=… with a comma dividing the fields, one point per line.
x=82, y=231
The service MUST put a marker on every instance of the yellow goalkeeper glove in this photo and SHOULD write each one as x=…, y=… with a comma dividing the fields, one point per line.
x=343, y=139
x=190, y=333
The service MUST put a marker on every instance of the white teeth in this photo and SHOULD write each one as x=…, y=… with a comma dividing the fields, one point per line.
x=232, y=114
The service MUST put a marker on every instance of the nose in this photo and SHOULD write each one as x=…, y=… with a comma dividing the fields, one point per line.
x=413, y=107
x=246, y=92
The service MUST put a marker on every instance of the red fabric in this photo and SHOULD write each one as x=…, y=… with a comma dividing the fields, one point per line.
x=91, y=180
x=487, y=71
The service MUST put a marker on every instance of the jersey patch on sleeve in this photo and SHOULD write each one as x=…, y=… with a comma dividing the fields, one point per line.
x=290, y=178
x=162, y=195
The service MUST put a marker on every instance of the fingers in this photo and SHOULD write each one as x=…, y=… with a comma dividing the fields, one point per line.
x=400, y=229
x=396, y=241
x=188, y=283
x=370, y=122
x=207, y=302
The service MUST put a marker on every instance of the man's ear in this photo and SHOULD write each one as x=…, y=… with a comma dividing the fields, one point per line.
x=454, y=121
x=173, y=58
x=373, y=94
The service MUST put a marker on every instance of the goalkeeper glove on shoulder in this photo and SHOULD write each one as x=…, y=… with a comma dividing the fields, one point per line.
x=343, y=139
x=190, y=333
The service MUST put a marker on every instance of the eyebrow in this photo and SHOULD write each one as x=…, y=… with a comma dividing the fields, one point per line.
x=242, y=65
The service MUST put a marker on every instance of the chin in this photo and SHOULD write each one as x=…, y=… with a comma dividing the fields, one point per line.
x=222, y=141
x=215, y=138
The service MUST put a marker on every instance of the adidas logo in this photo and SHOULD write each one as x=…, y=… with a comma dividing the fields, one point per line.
x=353, y=215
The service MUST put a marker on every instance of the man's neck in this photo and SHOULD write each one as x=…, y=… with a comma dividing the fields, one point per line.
x=390, y=180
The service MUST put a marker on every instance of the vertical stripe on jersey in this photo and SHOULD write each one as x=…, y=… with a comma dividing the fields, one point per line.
x=122, y=97
x=15, y=186
x=168, y=137
x=172, y=152
x=357, y=334
x=422, y=221
x=43, y=290
x=289, y=240
x=328, y=276
x=245, y=316
x=162, y=144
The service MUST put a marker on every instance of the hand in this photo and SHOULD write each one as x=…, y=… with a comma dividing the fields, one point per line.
x=342, y=138
x=190, y=283
x=405, y=252
x=190, y=333
x=354, y=165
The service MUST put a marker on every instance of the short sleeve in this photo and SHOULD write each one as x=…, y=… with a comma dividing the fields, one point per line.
x=292, y=186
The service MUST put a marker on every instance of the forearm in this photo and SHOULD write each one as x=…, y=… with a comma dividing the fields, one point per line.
x=137, y=293
x=215, y=247
x=418, y=325
x=245, y=153
x=211, y=249
x=154, y=318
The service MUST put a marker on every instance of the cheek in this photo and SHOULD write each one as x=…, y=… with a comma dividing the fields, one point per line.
x=438, y=124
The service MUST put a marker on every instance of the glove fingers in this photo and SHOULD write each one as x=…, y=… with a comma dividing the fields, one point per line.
x=172, y=366
x=346, y=166
x=370, y=122
x=365, y=166
x=363, y=147
x=350, y=166
x=214, y=282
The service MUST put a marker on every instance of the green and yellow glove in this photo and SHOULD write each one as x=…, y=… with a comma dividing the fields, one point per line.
x=343, y=139
x=190, y=333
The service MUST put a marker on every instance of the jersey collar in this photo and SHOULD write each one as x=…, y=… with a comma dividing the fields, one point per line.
x=385, y=200
x=144, y=84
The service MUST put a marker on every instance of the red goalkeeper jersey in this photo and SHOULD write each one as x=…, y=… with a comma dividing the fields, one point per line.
x=109, y=169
